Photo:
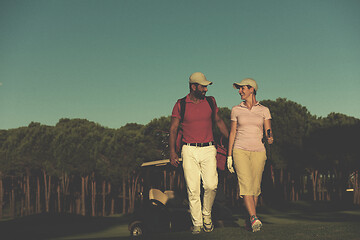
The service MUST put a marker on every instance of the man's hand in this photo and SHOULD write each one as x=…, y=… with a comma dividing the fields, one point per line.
x=230, y=164
x=174, y=159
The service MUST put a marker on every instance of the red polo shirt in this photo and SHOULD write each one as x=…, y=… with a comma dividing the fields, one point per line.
x=197, y=123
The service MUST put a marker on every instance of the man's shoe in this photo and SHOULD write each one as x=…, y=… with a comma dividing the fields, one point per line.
x=196, y=230
x=208, y=225
x=255, y=224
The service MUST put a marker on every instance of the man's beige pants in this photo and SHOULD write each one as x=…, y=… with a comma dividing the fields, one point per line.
x=199, y=163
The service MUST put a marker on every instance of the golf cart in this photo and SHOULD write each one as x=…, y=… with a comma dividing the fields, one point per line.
x=168, y=210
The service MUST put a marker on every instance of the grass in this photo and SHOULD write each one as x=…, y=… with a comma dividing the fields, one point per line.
x=289, y=221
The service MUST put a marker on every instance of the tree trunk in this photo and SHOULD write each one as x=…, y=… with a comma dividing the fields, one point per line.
x=1, y=196
x=12, y=199
x=340, y=187
x=93, y=196
x=47, y=192
x=134, y=189
x=323, y=190
x=103, y=197
x=142, y=191
x=171, y=179
x=286, y=185
x=260, y=200
x=292, y=198
x=59, y=197
x=27, y=193
x=82, y=204
x=272, y=175
x=320, y=187
x=22, y=207
x=38, y=196
x=304, y=184
x=78, y=203
x=112, y=207
x=129, y=192
x=65, y=181
x=314, y=176
x=124, y=194
x=22, y=201
x=71, y=207
x=356, y=197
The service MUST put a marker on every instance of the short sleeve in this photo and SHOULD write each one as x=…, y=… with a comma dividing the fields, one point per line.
x=215, y=105
x=267, y=114
x=176, y=110
x=233, y=115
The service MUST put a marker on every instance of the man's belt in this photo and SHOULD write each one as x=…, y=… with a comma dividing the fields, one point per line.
x=200, y=144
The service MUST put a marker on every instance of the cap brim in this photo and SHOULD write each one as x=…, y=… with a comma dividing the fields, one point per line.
x=203, y=83
x=237, y=85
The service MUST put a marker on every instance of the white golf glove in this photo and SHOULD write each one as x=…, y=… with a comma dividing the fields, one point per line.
x=230, y=164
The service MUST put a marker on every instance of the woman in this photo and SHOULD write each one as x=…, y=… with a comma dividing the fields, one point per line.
x=248, y=121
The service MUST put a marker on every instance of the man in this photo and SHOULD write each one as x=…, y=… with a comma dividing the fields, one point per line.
x=198, y=151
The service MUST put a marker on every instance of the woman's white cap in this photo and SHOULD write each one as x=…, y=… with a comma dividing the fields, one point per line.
x=245, y=82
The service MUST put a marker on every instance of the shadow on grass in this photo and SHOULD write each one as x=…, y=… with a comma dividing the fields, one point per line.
x=310, y=211
x=49, y=226
x=52, y=226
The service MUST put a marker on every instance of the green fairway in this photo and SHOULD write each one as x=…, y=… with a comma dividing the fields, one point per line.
x=290, y=221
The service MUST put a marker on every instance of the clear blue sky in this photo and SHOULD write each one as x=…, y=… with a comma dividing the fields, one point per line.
x=116, y=62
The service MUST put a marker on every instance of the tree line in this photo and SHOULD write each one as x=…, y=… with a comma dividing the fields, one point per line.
x=81, y=167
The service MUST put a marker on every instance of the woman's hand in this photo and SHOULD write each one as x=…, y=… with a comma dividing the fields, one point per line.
x=230, y=164
x=269, y=136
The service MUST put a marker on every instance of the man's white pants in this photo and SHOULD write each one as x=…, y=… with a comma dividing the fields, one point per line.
x=199, y=163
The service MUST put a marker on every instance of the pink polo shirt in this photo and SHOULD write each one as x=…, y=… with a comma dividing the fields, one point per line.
x=197, y=122
x=250, y=125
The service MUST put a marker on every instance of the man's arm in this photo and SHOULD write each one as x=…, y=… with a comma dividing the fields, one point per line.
x=174, y=158
x=221, y=125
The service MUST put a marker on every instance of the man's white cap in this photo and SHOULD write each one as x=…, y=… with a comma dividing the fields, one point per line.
x=245, y=82
x=199, y=78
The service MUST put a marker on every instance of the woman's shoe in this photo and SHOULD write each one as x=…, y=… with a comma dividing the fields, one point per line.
x=255, y=224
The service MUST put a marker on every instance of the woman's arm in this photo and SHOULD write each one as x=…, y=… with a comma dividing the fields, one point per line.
x=268, y=131
x=232, y=137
